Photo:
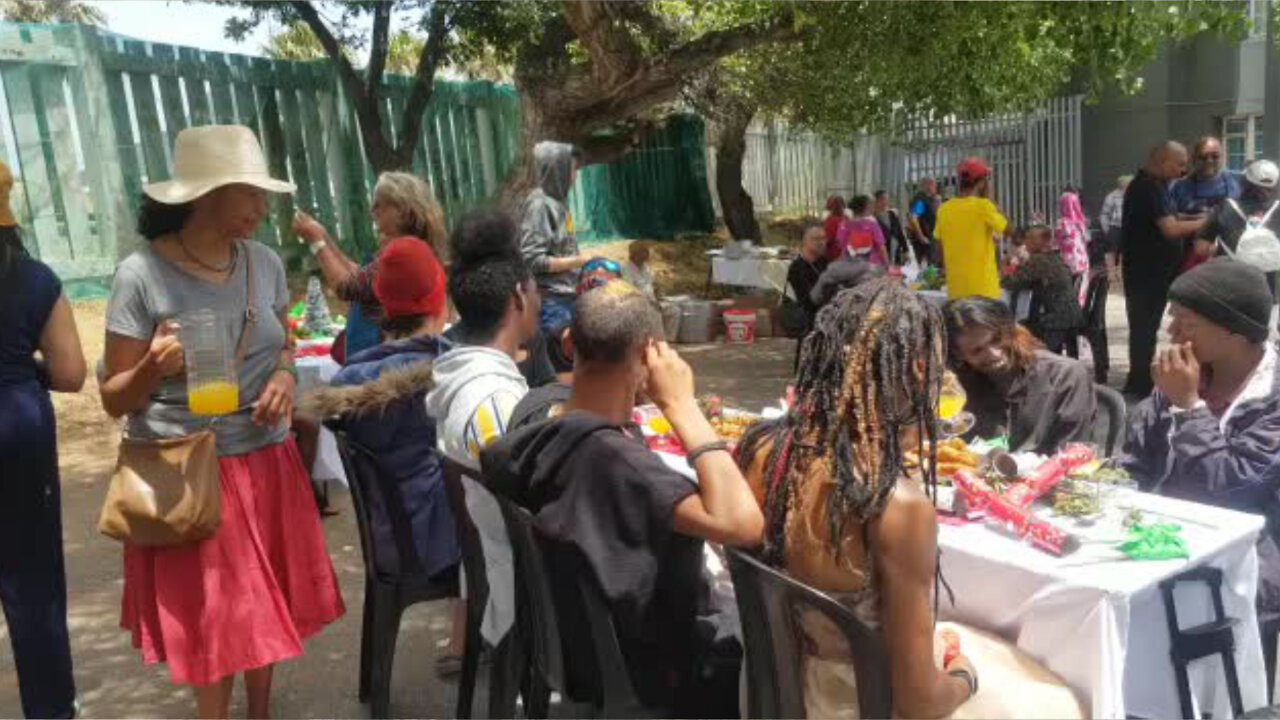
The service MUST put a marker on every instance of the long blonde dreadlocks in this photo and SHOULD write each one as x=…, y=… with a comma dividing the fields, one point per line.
x=871, y=366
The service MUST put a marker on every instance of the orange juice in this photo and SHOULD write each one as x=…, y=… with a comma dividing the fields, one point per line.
x=950, y=405
x=660, y=425
x=215, y=398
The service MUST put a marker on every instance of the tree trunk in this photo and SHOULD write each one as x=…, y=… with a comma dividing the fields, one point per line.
x=520, y=175
x=735, y=203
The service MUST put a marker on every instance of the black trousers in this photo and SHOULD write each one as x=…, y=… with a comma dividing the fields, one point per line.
x=1146, y=293
x=33, y=589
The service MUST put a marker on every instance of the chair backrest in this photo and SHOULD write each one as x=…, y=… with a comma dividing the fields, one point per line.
x=535, y=599
x=367, y=491
x=477, y=576
x=768, y=602
x=1109, y=422
x=1095, y=301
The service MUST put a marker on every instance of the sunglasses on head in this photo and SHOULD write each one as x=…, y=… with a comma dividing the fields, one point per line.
x=601, y=264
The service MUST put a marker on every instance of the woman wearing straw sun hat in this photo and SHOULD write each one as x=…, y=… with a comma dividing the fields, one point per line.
x=35, y=316
x=246, y=597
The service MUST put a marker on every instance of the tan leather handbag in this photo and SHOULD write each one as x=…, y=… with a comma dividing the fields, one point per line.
x=168, y=491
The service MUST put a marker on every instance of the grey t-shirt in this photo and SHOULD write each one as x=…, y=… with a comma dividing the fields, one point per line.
x=148, y=290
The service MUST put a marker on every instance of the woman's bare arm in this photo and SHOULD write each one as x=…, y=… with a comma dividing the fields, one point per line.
x=134, y=369
x=335, y=266
x=60, y=347
x=905, y=549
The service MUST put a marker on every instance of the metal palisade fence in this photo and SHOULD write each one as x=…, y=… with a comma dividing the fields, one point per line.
x=90, y=117
x=790, y=171
x=1033, y=155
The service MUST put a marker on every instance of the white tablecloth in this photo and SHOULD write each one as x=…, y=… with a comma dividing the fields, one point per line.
x=1097, y=619
x=313, y=373
x=766, y=273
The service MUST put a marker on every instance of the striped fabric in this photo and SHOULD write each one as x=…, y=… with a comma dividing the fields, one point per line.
x=489, y=421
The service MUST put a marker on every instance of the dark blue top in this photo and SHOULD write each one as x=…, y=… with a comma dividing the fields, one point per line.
x=27, y=430
x=1192, y=196
x=403, y=438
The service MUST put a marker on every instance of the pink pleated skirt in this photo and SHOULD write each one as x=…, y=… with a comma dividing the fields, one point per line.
x=246, y=597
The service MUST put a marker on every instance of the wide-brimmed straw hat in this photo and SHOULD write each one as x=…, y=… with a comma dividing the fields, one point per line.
x=211, y=156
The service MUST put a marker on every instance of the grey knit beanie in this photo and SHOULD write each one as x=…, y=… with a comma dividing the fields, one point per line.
x=1230, y=294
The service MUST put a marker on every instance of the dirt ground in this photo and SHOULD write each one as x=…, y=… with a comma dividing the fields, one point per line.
x=111, y=678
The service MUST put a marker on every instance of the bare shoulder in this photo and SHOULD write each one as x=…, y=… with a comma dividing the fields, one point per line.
x=907, y=532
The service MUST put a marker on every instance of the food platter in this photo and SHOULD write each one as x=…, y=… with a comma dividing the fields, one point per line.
x=729, y=423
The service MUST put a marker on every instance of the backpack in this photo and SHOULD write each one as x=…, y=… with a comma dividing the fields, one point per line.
x=1258, y=245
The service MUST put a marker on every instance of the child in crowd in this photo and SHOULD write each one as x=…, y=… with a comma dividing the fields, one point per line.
x=637, y=271
x=1055, y=312
x=1017, y=251
x=861, y=235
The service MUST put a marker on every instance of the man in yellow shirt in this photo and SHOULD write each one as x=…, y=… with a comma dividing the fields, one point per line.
x=967, y=227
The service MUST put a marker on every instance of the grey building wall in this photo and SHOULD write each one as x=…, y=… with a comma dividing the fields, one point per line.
x=1187, y=90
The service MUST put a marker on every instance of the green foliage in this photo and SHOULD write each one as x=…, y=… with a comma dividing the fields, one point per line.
x=52, y=11
x=295, y=42
x=864, y=65
x=403, y=52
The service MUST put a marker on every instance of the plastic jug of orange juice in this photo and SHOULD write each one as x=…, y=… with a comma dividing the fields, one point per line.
x=209, y=351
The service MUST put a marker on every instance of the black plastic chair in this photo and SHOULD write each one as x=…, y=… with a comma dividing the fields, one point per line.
x=1109, y=423
x=1216, y=637
x=1095, y=322
x=768, y=601
x=594, y=676
x=477, y=582
x=538, y=654
x=1269, y=629
x=386, y=594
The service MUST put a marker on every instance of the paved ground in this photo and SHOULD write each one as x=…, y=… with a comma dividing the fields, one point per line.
x=111, y=677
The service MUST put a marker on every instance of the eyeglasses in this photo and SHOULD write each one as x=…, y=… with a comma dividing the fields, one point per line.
x=1212, y=156
x=602, y=264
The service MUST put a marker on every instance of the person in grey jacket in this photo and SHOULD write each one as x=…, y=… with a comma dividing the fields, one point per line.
x=546, y=233
x=1211, y=431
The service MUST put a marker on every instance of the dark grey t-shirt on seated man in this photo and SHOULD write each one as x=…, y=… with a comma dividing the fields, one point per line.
x=148, y=290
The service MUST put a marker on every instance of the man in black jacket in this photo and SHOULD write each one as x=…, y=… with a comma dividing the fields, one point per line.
x=1211, y=431
x=1152, y=253
x=600, y=497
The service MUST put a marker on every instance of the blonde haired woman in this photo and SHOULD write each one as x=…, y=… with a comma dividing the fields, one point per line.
x=403, y=206
x=247, y=597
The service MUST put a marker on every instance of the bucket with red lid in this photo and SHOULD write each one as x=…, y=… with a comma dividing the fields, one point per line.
x=740, y=326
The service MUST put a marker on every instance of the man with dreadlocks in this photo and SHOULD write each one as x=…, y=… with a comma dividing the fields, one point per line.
x=845, y=515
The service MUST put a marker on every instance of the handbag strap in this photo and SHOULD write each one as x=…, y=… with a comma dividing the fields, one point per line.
x=250, y=312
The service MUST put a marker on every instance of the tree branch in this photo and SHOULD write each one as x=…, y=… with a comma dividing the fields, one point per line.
x=380, y=45
x=710, y=47
x=433, y=52
x=582, y=100
x=602, y=30
x=365, y=101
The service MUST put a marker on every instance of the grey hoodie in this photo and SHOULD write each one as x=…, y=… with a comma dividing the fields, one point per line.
x=476, y=388
x=544, y=225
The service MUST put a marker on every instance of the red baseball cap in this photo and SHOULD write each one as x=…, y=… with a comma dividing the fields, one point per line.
x=409, y=279
x=973, y=169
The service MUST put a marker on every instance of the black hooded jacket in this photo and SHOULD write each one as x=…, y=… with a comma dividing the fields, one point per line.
x=600, y=497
